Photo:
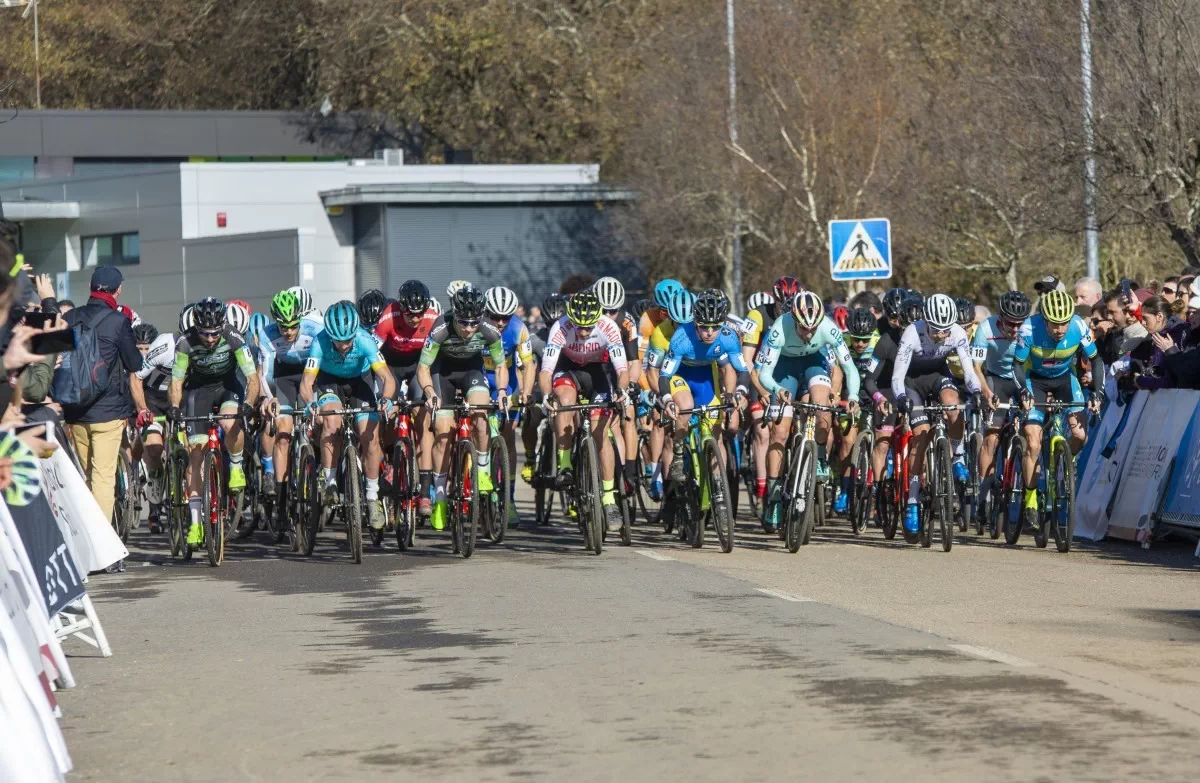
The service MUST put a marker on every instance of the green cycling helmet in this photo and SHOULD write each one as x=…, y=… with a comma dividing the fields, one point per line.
x=285, y=308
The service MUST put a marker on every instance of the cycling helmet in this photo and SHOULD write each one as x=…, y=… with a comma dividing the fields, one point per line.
x=187, y=318
x=966, y=310
x=840, y=314
x=144, y=333
x=467, y=303
x=861, y=323
x=665, y=290
x=553, y=307
x=710, y=308
x=940, y=312
x=500, y=301
x=808, y=309
x=209, y=313
x=245, y=305
x=285, y=308
x=786, y=288
x=682, y=306
x=893, y=300
x=1015, y=306
x=303, y=298
x=435, y=305
x=912, y=309
x=258, y=322
x=370, y=307
x=342, y=321
x=759, y=300
x=1057, y=306
x=456, y=286
x=237, y=317
x=610, y=292
x=641, y=306
x=413, y=296
x=584, y=309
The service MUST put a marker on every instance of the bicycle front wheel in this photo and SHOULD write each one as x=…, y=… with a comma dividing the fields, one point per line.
x=860, y=500
x=719, y=500
x=588, y=500
x=465, y=500
x=352, y=506
x=1014, y=506
x=944, y=497
x=213, y=487
x=501, y=479
x=800, y=497
x=179, y=517
x=308, y=501
x=404, y=492
x=970, y=496
x=123, y=507
x=1063, y=513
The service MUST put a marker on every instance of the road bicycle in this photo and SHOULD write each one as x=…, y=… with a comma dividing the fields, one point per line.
x=801, y=495
x=130, y=476
x=862, y=493
x=404, y=490
x=1001, y=493
x=937, y=490
x=462, y=498
x=704, y=496
x=1055, y=480
x=216, y=506
x=969, y=493
x=352, y=505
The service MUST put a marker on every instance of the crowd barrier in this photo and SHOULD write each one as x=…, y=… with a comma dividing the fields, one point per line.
x=1140, y=471
x=52, y=534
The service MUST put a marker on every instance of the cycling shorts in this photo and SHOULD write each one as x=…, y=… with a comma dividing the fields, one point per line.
x=350, y=392
x=512, y=382
x=223, y=394
x=449, y=382
x=701, y=380
x=927, y=389
x=1005, y=390
x=1064, y=388
x=403, y=374
x=590, y=381
x=801, y=372
x=157, y=403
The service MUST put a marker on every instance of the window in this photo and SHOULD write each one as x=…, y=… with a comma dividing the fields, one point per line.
x=112, y=250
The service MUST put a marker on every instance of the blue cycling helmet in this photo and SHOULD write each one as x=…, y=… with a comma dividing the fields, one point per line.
x=341, y=321
x=665, y=290
x=680, y=308
x=258, y=322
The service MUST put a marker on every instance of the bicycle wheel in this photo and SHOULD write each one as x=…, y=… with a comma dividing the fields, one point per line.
x=501, y=479
x=543, y=476
x=1063, y=513
x=465, y=506
x=799, y=496
x=625, y=504
x=588, y=500
x=889, y=510
x=352, y=510
x=720, y=502
x=944, y=493
x=213, y=487
x=124, y=497
x=970, y=499
x=860, y=498
x=651, y=509
x=732, y=450
x=308, y=506
x=179, y=516
x=1014, y=510
x=404, y=492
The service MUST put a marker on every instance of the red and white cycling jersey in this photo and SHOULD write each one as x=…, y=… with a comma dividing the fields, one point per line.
x=603, y=344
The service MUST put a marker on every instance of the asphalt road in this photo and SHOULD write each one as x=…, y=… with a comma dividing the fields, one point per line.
x=535, y=660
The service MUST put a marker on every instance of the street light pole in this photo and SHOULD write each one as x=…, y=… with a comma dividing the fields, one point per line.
x=1090, y=227
x=736, y=244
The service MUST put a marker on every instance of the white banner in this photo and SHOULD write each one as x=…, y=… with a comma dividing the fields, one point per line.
x=1101, y=475
x=93, y=543
x=1151, y=448
x=32, y=745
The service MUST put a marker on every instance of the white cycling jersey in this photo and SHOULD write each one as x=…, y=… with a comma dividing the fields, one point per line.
x=603, y=344
x=916, y=343
x=158, y=363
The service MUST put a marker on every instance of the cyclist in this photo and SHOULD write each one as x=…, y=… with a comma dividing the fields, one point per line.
x=677, y=308
x=208, y=360
x=370, y=307
x=158, y=359
x=284, y=347
x=578, y=349
x=611, y=294
x=553, y=308
x=705, y=355
x=402, y=329
x=794, y=361
x=452, y=360
x=921, y=375
x=238, y=318
x=992, y=349
x=335, y=376
x=306, y=303
x=500, y=307
x=862, y=335
x=1048, y=345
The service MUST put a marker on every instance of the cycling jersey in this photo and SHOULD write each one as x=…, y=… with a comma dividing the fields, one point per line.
x=760, y=320
x=660, y=343
x=444, y=343
x=920, y=354
x=514, y=340
x=690, y=357
x=646, y=326
x=194, y=362
x=865, y=361
x=604, y=341
x=402, y=344
x=1043, y=355
x=158, y=363
x=956, y=367
x=827, y=345
x=363, y=356
x=280, y=357
x=993, y=349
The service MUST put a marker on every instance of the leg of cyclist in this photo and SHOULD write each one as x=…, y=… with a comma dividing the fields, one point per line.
x=425, y=438
x=367, y=426
x=152, y=458
x=235, y=435
x=443, y=425
x=329, y=436
x=478, y=394
x=529, y=428
x=779, y=432
x=284, y=425
x=565, y=393
x=919, y=423
x=845, y=448
x=1076, y=418
x=820, y=392
x=197, y=401
x=266, y=453
x=956, y=425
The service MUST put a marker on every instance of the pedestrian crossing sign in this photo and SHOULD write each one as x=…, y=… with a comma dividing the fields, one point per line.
x=860, y=249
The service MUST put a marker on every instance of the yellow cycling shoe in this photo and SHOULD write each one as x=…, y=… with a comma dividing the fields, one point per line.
x=195, y=535
x=485, y=481
x=1031, y=498
x=527, y=474
x=237, y=478
x=437, y=520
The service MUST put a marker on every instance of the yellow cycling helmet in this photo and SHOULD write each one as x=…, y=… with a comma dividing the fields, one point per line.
x=584, y=309
x=1057, y=306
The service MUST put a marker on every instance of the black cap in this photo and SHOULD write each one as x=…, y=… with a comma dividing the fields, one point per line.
x=1046, y=284
x=107, y=278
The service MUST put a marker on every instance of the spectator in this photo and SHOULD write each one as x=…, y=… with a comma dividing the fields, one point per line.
x=535, y=317
x=869, y=300
x=1170, y=288
x=1100, y=322
x=1191, y=339
x=1127, y=331
x=1088, y=292
x=1047, y=284
x=1163, y=338
x=98, y=427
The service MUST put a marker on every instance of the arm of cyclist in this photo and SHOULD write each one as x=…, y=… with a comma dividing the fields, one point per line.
x=909, y=343
x=841, y=355
x=964, y=357
x=768, y=357
x=555, y=340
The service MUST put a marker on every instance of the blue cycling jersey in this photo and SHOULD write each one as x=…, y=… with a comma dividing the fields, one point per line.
x=996, y=351
x=362, y=357
x=688, y=350
x=1043, y=355
x=274, y=350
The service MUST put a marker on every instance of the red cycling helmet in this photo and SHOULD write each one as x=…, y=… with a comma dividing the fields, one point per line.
x=840, y=314
x=245, y=305
x=786, y=288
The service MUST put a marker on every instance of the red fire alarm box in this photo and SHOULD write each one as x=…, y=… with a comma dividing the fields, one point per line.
x=221, y=221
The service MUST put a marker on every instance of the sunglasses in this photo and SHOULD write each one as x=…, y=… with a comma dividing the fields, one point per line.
x=1169, y=291
x=938, y=332
x=708, y=327
x=469, y=323
x=208, y=334
x=1007, y=324
x=502, y=320
x=855, y=338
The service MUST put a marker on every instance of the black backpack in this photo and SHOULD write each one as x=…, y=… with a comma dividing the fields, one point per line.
x=83, y=375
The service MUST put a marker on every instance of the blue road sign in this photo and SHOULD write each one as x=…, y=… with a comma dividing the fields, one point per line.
x=860, y=249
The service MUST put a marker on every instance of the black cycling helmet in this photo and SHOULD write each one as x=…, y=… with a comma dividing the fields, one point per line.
x=641, y=306
x=370, y=307
x=1015, y=305
x=912, y=309
x=144, y=333
x=893, y=300
x=861, y=322
x=711, y=307
x=554, y=307
x=966, y=310
x=413, y=296
x=468, y=303
x=209, y=313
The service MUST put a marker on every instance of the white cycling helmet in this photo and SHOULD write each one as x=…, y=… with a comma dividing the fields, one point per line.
x=808, y=309
x=759, y=299
x=500, y=301
x=187, y=319
x=435, y=305
x=454, y=287
x=237, y=317
x=610, y=292
x=304, y=298
x=940, y=311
